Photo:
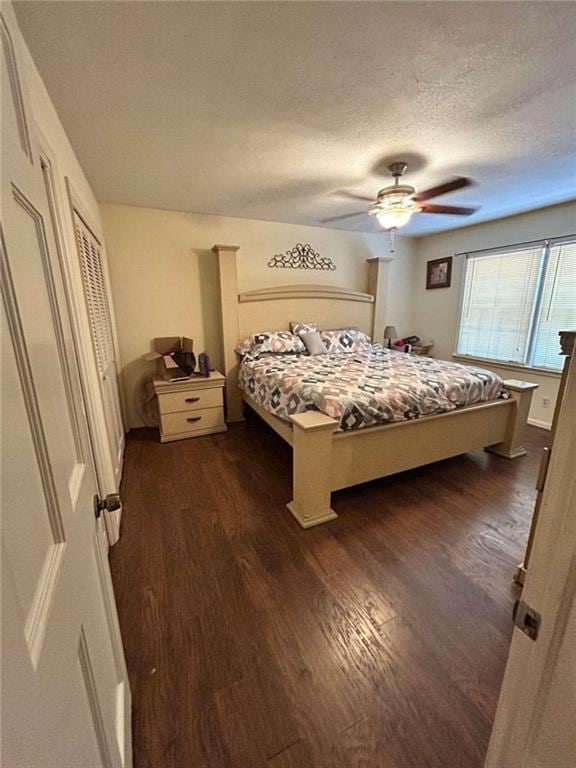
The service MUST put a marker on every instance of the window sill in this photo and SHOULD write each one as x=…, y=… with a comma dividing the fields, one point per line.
x=512, y=366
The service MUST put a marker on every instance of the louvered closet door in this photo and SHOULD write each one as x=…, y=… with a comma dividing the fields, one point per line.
x=97, y=302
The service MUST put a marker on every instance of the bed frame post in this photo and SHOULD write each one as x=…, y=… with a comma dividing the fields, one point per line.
x=229, y=306
x=378, y=269
x=311, y=456
x=521, y=392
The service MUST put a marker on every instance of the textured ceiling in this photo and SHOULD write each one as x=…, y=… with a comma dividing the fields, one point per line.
x=269, y=110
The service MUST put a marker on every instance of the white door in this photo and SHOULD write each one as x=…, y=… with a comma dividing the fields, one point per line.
x=535, y=724
x=65, y=694
x=98, y=306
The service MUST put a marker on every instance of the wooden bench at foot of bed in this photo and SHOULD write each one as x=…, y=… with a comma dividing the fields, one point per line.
x=325, y=460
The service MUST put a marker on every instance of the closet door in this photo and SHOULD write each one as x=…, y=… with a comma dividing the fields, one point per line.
x=97, y=302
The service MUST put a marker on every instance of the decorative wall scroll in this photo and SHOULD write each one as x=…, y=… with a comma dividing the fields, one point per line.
x=302, y=257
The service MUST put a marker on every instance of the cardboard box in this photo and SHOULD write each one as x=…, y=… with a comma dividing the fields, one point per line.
x=162, y=347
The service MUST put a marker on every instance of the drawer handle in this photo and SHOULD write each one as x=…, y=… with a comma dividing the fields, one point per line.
x=191, y=399
x=193, y=418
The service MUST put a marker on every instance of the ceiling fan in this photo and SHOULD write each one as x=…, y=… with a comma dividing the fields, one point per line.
x=395, y=205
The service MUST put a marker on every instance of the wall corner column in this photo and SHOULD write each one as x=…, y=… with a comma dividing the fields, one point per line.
x=228, y=275
x=378, y=283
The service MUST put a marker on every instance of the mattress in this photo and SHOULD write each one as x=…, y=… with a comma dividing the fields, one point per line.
x=362, y=389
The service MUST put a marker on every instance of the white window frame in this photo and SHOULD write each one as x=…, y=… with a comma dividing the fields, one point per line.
x=546, y=244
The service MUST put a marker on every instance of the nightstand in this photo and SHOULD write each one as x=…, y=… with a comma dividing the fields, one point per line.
x=190, y=408
x=421, y=349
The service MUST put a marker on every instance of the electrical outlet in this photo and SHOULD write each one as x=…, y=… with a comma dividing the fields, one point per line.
x=545, y=402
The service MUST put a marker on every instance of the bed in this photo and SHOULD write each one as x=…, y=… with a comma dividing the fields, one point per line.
x=364, y=388
x=440, y=410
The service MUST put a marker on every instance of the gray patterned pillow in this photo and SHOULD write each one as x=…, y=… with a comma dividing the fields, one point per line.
x=298, y=327
x=348, y=340
x=314, y=343
x=271, y=342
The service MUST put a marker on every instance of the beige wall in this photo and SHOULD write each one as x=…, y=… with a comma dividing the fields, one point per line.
x=165, y=279
x=436, y=311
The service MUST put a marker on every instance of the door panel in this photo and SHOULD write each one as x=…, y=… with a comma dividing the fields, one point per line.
x=554, y=728
x=37, y=735
x=534, y=724
x=62, y=660
x=39, y=319
x=93, y=699
x=28, y=485
x=14, y=90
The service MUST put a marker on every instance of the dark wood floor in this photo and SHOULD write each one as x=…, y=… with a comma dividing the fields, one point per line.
x=375, y=641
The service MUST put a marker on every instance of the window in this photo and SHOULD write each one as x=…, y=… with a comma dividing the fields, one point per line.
x=558, y=305
x=516, y=300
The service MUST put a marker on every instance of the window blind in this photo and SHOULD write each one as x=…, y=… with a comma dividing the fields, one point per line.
x=498, y=303
x=557, y=310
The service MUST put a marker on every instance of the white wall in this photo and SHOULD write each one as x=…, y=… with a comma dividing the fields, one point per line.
x=435, y=312
x=165, y=278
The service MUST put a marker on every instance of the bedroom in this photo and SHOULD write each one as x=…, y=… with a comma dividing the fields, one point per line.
x=320, y=568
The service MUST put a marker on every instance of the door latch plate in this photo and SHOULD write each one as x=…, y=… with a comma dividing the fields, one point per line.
x=527, y=619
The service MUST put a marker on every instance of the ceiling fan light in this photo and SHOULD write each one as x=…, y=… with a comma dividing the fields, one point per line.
x=394, y=218
x=394, y=207
x=395, y=211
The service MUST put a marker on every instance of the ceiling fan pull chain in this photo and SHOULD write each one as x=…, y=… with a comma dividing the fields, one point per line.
x=392, y=231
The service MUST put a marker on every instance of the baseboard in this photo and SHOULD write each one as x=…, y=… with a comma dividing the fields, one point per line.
x=541, y=424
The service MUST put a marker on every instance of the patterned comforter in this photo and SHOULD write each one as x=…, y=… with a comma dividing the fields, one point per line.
x=365, y=388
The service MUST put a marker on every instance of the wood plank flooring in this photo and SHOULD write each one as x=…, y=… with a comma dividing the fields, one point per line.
x=375, y=641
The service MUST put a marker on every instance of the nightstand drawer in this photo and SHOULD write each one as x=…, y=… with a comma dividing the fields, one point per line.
x=189, y=421
x=192, y=400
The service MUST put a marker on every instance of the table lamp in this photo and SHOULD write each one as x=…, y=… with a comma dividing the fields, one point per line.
x=389, y=334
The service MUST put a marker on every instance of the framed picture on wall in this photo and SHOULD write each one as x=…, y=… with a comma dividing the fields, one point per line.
x=439, y=273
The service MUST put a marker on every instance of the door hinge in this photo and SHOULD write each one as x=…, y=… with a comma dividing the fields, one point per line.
x=526, y=619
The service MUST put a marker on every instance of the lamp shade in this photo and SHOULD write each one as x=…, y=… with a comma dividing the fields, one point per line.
x=390, y=332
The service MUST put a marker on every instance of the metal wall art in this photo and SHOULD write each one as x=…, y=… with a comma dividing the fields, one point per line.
x=302, y=257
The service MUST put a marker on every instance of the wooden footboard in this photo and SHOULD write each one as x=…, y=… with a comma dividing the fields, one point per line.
x=325, y=460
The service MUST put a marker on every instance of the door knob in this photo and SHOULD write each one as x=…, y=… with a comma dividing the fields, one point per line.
x=111, y=503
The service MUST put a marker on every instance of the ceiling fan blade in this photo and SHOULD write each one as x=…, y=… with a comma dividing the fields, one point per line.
x=354, y=196
x=344, y=216
x=443, y=189
x=453, y=209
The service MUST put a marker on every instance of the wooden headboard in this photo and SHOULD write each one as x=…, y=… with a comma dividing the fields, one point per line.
x=272, y=309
